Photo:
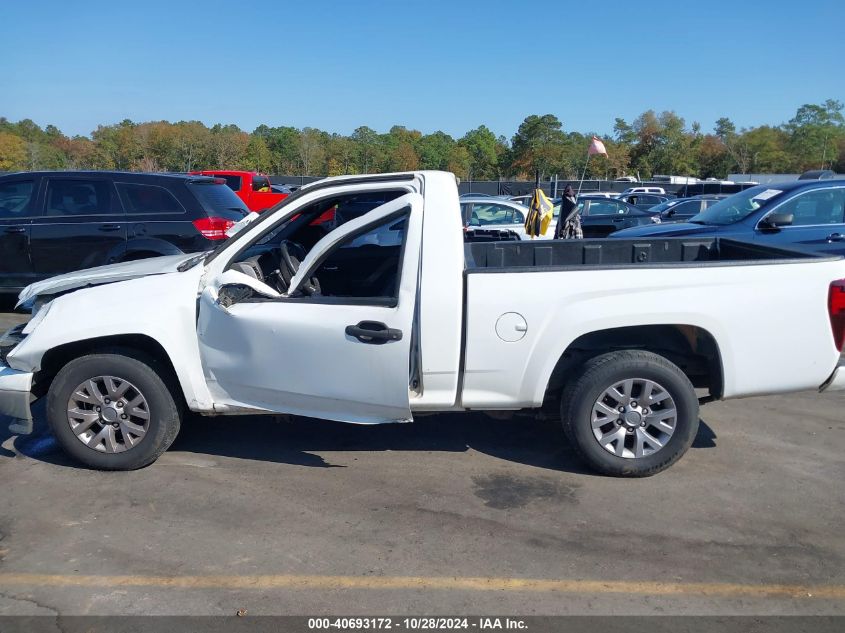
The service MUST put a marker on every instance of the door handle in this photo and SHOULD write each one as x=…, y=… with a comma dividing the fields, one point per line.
x=109, y=227
x=835, y=237
x=16, y=229
x=373, y=332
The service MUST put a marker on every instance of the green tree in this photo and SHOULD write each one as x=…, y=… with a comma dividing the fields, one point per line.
x=814, y=134
x=537, y=144
x=13, y=155
x=434, y=150
x=258, y=157
x=399, y=146
x=481, y=144
x=766, y=149
x=311, y=152
x=459, y=162
x=367, y=148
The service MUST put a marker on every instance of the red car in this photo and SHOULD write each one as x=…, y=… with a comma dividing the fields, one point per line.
x=253, y=188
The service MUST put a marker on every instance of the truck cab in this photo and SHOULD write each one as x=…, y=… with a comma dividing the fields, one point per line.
x=250, y=186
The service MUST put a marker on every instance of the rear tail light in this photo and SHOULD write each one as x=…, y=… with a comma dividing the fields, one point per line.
x=836, y=308
x=213, y=228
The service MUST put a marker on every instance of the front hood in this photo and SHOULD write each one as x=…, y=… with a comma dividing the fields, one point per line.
x=666, y=230
x=103, y=275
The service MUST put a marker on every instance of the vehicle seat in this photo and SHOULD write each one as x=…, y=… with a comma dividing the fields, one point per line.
x=828, y=213
x=77, y=201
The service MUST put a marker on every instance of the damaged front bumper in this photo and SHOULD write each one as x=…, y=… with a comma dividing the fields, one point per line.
x=15, y=397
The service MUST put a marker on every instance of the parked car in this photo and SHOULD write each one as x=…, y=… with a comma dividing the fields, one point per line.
x=616, y=335
x=645, y=200
x=600, y=217
x=57, y=222
x=524, y=199
x=477, y=195
x=804, y=213
x=682, y=209
x=599, y=194
x=494, y=214
x=658, y=190
x=253, y=188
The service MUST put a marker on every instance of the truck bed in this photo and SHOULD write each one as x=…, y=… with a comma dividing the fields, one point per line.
x=764, y=307
x=604, y=253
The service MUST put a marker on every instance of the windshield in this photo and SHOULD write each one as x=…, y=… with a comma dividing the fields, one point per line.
x=263, y=217
x=738, y=206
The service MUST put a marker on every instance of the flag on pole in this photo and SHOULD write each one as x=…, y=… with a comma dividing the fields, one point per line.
x=596, y=147
x=540, y=214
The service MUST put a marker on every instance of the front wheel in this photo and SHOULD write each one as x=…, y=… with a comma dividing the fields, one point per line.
x=112, y=411
x=630, y=413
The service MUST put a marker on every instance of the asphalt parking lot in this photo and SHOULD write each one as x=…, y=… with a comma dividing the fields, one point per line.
x=454, y=514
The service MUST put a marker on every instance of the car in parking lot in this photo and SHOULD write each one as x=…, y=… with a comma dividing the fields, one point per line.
x=600, y=217
x=681, y=209
x=485, y=213
x=645, y=200
x=658, y=190
x=803, y=213
x=58, y=222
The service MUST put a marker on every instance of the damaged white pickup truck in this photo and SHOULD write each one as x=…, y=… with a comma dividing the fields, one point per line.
x=356, y=299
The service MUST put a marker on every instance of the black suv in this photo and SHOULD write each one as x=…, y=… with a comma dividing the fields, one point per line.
x=57, y=222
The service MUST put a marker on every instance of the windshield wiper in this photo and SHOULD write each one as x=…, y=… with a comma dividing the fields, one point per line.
x=697, y=222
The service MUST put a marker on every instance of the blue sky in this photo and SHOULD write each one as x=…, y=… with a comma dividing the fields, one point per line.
x=427, y=65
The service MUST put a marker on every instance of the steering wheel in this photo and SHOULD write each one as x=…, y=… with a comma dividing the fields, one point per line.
x=291, y=255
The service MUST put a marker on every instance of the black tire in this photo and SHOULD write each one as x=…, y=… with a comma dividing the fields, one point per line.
x=600, y=373
x=149, y=377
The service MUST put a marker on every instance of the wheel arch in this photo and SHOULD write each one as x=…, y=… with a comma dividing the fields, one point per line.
x=692, y=348
x=57, y=357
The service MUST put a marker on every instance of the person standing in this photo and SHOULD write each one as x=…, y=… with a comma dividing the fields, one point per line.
x=569, y=221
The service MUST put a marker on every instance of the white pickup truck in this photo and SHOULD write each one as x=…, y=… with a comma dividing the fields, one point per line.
x=356, y=299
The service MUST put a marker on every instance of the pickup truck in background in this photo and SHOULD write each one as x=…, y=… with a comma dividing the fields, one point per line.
x=386, y=313
x=253, y=188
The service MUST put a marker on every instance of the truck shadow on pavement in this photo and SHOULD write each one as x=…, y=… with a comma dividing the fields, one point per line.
x=299, y=441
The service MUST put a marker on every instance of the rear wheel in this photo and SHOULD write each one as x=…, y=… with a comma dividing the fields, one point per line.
x=112, y=411
x=630, y=413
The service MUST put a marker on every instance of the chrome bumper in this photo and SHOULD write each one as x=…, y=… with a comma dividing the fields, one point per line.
x=836, y=382
x=15, y=396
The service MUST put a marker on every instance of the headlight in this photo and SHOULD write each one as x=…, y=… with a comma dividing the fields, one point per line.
x=38, y=318
x=655, y=219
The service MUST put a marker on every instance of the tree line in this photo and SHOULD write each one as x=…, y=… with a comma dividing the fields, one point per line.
x=653, y=143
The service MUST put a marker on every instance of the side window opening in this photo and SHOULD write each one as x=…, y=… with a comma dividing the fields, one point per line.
x=147, y=199
x=824, y=206
x=367, y=265
x=15, y=199
x=78, y=197
x=364, y=265
x=233, y=182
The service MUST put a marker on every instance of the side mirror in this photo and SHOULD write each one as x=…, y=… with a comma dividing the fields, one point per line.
x=776, y=220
